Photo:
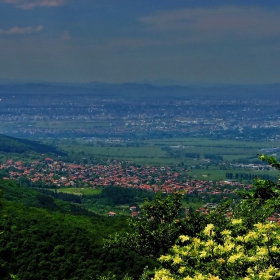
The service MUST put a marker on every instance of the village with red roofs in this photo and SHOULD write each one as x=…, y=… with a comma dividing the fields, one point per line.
x=60, y=174
x=164, y=179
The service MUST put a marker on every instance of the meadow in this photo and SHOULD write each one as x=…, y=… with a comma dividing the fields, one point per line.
x=191, y=153
x=79, y=191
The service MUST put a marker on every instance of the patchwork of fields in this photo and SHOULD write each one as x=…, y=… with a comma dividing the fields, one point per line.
x=205, y=158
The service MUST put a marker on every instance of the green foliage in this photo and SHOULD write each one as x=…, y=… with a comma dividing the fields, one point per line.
x=192, y=155
x=30, y=197
x=156, y=231
x=159, y=227
x=244, y=247
x=14, y=145
x=119, y=195
x=227, y=254
x=213, y=157
x=52, y=244
x=263, y=190
x=271, y=161
x=37, y=244
x=260, y=202
x=116, y=199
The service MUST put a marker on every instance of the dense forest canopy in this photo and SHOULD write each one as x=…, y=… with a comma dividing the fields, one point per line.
x=15, y=145
x=56, y=241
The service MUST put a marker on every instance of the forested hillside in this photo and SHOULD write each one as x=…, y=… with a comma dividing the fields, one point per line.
x=53, y=244
x=15, y=145
x=12, y=191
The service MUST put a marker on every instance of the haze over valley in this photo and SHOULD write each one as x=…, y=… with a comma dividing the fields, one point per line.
x=127, y=112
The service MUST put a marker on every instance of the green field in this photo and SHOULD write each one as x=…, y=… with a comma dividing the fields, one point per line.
x=103, y=209
x=80, y=191
x=153, y=150
x=172, y=152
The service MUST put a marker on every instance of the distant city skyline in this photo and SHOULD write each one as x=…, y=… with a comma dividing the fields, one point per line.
x=159, y=41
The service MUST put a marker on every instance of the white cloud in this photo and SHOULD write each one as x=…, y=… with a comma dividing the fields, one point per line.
x=21, y=30
x=65, y=36
x=30, y=4
x=216, y=23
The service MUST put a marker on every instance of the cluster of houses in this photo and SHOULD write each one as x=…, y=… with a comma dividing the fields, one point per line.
x=133, y=210
x=154, y=179
x=165, y=179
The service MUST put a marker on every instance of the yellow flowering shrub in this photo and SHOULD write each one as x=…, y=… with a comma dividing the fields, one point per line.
x=225, y=255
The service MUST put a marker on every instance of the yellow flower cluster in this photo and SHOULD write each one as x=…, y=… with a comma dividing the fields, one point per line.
x=236, y=221
x=200, y=276
x=209, y=230
x=230, y=254
x=268, y=273
x=163, y=274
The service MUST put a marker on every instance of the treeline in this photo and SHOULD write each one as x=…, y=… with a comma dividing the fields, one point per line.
x=118, y=196
x=204, y=198
x=249, y=177
x=12, y=191
x=206, y=156
x=25, y=182
x=192, y=155
x=213, y=157
x=63, y=196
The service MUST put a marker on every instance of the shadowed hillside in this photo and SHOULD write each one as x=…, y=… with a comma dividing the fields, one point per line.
x=15, y=145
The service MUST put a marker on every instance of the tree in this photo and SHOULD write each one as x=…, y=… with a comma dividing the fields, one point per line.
x=225, y=255
x=161, y=224
x=244, y=247
x=156, y=231
x=211, y=246
x=260, y=202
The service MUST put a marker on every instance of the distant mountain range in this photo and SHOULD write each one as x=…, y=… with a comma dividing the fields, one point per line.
x=135, y=90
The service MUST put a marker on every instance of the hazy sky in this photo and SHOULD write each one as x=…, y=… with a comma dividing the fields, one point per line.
x=140, y=40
